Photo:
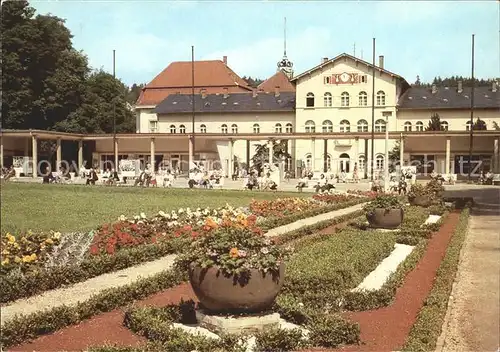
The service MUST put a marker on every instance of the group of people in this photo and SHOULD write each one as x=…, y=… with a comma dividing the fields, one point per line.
x=201, y=178
x=265, y=182
x=324, y=184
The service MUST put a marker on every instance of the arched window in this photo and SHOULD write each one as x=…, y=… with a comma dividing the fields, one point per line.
x=467, y=126
x=344, y=99
x=379, y=162
x=278, y=128
x=444, y=126
x=407, y=126
x=182, y=129
x=362, y=126
x=256, y=128
x=308, y=159
x=380, y=126
x=327, y=98
x=361, y=162
x=380, y=98
x=234, y=128
x=289, y=128
x=363, y=99
x=310, y=126
x=203, y=129
x=327, y=126
x=172, y=129
x=223, y=128
x=310, y=100
x=419, y=126
x=345, y=126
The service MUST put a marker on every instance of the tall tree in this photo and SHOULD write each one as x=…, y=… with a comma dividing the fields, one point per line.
x=104, y=99
x=434, y=123
x=479, y=125
x=43, y=75
x=261, y=155
x=134, y=93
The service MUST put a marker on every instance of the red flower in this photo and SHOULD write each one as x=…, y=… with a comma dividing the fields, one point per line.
x=94, y=249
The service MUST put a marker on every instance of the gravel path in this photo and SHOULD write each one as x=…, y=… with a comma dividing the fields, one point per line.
x=472, y=320
x=82, y=291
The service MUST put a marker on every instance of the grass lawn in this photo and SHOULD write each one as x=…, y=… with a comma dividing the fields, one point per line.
x=75, y=208
x=335, y=263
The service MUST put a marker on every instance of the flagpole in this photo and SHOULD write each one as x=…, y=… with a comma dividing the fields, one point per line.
x=373, y=115
x=471, y=139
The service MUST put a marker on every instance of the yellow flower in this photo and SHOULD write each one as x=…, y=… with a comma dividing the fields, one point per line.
x=29, y=258
x=5, y=261
x=17, y=259
x=10, y=238
x=49, y=241
x=57, y=235
x=5, y=252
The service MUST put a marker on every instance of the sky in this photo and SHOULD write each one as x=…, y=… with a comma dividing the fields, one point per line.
x=421, y=38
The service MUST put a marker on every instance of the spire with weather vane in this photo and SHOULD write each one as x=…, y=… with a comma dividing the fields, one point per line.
x=285, y=65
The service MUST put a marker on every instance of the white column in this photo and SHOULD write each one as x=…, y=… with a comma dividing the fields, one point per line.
x=58, y=154
x=271, y=152
x=191, y=153
x=80, y=154
x=356, y=156
x=496, y=157
x=313, y=154
x=231, y=158
x=152, y=150
x=447, y=159
x=116, y=153
x=401, y=151
x=1, y=152
x=34, y=147
x=386, y=157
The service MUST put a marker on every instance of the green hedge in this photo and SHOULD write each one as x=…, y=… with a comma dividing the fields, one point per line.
x=23, y=328
x=426, y=330
x=16, y=286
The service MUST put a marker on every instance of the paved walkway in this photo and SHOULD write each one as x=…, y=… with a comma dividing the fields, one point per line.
x=312, y=220
x=473, y=319
x=82, y=291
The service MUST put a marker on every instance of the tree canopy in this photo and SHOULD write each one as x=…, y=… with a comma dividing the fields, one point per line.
x=261, y=155
x=47, y=84
x=434, y=123
x=453, y=82
x=253, y=82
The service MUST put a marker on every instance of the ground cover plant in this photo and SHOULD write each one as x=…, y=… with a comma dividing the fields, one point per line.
x=79, y=208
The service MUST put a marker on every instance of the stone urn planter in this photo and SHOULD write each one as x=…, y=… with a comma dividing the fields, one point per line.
x=218, y=293
x=381, y=218
x=421, y=200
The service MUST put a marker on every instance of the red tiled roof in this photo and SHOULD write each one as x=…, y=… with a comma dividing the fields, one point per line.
x=279, y=79
x=213, y=75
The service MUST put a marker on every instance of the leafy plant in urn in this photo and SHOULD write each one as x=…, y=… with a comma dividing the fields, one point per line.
x=385, y=211
x=234, y=268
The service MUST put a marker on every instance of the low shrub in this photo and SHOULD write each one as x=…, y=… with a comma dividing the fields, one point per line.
x=280, y=340
x=332, y=330
x=426, y=330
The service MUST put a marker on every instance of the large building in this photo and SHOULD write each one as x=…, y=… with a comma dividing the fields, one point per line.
x=324, y=114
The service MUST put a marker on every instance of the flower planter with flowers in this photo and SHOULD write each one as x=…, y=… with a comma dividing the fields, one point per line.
x=419, y=196
x=384, y=212
x=234, y=268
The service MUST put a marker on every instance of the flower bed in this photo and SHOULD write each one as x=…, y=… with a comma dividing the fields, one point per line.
x=331, y=198
x=130, y=242
x=368, y=194
x=282, y=206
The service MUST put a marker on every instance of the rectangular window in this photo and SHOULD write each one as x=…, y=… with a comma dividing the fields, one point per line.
x=153, y=126
x=363, y=79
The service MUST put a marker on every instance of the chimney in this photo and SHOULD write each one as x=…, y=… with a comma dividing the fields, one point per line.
x=434, y=89
x=226, y=93
x=203, y=93
x=494, y=87
x=381, y=61
x=277, y=91
x=254, y=93
x=460, y=88
x=224, y=59
x=323, y=60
